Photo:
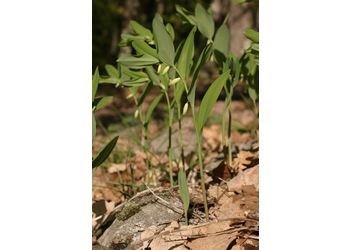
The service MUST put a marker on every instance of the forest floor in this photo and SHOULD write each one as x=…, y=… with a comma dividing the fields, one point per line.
x=232, y=193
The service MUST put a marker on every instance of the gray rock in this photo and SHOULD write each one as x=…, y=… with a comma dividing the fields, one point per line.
x=151, y=211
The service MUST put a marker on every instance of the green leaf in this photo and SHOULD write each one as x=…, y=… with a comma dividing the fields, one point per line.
x=166, y=51
x=138, y=28
x=186, y=15
x=186, y=55
x=159, y=18
x=173, y=156
x=104, y=153
x=203, y=58
x=133, y=37
x=151, y=108
x=144, y=94
x=135, y=74
x=209, y=100
x=221, y=44
x=185, y=195
x=95, y=81
x=137, y=61
x=93, y=127
x=152, y=75
x=241, y=1
x=252, y=35
x=136, y=82
x=100, y=102
x=109, y=80
x=112, y=71
x=205, y=21
x=143, y=48
x=170, y=30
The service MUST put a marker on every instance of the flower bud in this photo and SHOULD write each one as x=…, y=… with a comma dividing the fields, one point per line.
x=129, y=96
x=159, y=67
x=172, y=82
x=165, y=70
x=162, y=86
x=136, y=113
x=184, y=112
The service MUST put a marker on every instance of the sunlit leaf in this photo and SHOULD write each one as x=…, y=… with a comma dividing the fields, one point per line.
x=205, y=21
x=187, y=53
x=104, y=153
x=203, y=58
x=252, y=35
x=209, y=100
x=166, y=52
x=95, y=81
x=112, y=71
x=100, y=102
x=221, y=44
x=185, y=195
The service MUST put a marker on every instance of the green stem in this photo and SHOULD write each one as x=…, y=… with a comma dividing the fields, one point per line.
x=183, y=80
x=199, y=140
x=169, y=147
x=223, y=134
x=145, y=146
x=229, y=135
x=180, y=132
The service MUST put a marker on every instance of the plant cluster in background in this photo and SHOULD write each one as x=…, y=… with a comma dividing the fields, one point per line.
x=158, y=64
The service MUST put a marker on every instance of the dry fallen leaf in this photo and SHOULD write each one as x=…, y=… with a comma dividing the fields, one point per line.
x=247, y=177
x=242, y=161
x=218, y=242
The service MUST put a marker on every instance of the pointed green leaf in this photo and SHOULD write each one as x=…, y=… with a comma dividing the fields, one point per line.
x=95, y=81
x=104, y=153
x=205, y=21
x=170, y=30
x=138, y=28
x=186, y=15
x=137, y=61
x=135, y=74
x=185, y=195
x=144, y=94
x=109, y=80
x=143, y=48
x=136, y=82
x=112, y=71
x=221, y=44
x=152, y=75
x=100, y=102
x=252, y=35
x=159, y=18
x=166, y=52
x=133, y=37
x=187, y=54
x=209, y=100
x=93, y=127
x=151, y=108
x=203, y=58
